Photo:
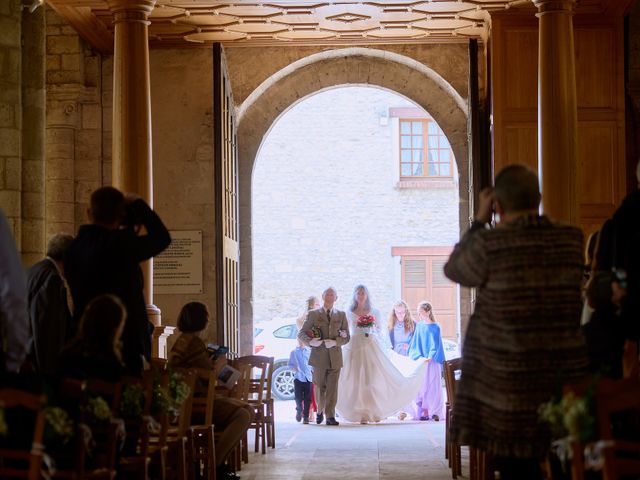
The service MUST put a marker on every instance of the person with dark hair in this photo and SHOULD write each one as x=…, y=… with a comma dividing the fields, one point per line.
x=48, y=307
x=95, y=352
x=15, y=340
x=230, y=416
x=189, y=348
x=613, y=334
x=105, y=259
x=523, y=340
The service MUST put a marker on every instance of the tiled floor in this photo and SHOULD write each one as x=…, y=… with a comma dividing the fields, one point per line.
x=390, y=450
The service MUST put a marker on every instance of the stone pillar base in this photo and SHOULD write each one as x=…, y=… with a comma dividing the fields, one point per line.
x=160, y=336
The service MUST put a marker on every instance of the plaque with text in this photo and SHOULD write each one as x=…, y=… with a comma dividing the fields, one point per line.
x=179, y=268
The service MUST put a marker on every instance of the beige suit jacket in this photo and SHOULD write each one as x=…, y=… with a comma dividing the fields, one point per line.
x=323, y=357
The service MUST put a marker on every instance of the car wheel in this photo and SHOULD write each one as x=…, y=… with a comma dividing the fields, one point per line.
x=283, y=387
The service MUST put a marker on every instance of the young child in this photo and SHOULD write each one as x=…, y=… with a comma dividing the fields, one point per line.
x=299, y=363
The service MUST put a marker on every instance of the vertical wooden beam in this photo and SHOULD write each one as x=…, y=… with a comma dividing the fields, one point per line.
x=557, y=110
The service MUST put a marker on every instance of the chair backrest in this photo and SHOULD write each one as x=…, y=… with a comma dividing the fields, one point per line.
x=269, y=384
x=616, y=397
x=27, y=462
x=110, y=392
x=204, y=393
x=182, y=421
x=241, y=388
x=450, y=369
x=137, y=426
x=259, y=370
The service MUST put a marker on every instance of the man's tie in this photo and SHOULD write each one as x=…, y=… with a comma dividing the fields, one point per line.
x=329, y=315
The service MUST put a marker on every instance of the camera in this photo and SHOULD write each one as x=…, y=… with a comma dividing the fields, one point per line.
x=130, y=217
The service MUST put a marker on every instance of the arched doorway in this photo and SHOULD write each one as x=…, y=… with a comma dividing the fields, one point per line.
x=361, y=66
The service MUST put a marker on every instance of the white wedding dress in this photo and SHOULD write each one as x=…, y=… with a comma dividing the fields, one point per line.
x=375, y=382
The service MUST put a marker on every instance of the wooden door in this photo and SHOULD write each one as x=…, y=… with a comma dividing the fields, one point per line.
x=423, y=279
x=226, y=206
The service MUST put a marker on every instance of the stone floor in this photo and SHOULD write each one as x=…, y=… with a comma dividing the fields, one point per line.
x=390, y=450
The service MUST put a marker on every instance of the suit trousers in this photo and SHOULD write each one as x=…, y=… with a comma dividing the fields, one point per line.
x=326, y=382
x=303, y=397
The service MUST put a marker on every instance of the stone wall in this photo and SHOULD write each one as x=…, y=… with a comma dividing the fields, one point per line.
x=33, y=134
x=249, y=67
x=182, y=112
x=11, y=114
x=74, y=133
x=326, y=206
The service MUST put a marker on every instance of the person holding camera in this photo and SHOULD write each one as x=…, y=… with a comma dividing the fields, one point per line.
x=105, y=259
x=523, y=341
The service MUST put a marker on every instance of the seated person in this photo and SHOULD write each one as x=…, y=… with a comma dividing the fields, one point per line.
x=95, y=352
x=231, y=417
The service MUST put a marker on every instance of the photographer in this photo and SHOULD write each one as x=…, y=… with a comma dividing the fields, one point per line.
x=105, y=259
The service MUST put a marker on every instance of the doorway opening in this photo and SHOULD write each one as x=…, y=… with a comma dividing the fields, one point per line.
x=352, y=184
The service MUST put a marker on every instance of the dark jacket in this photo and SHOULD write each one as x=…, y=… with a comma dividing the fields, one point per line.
x=49, y=314
x=102, y=261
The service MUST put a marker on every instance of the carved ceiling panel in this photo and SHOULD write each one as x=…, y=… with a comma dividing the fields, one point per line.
x=197, y=22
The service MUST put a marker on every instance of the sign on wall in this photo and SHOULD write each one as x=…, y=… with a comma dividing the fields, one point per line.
x=179, y=268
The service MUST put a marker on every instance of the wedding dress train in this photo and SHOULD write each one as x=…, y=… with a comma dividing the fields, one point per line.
x=375, y=382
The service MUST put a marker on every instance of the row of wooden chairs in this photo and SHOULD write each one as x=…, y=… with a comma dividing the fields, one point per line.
x=181, y=447
x=618, y=457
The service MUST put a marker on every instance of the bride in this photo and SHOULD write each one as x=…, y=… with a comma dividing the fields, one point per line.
x=375, y=381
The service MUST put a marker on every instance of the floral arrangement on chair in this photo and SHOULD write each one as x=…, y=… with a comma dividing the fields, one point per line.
x=132, y=401
x=570, y=415
x=58, y=425
x=97, y=410
x=366, y=322
x=169, y=399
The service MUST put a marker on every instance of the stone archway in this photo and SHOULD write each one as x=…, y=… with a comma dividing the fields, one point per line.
x=360, y=66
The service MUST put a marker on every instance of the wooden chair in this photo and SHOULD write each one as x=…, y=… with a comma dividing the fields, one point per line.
x=136, y=457
x=201, y=437
x=617, y=404
x=100, y=460
x=270, y=415
x=177, y=430
x=241, y=392
x=26, y=462
x=256, y=396
x=452, y=450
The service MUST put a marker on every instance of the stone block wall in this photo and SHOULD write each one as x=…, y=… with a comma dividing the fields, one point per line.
x=182, y=112
x=74, y=134
x=11, y=115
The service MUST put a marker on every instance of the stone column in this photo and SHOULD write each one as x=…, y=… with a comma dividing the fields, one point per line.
x=132, y=158
x=557, y=110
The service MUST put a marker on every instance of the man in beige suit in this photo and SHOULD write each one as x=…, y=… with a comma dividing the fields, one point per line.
x=326, y=352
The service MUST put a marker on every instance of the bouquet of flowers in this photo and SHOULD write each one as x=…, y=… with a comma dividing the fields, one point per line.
x=97, y=410
x=366, y=322
x=570, y=415
x=314, y=332
x=169, y=399
x=58, y=426
x=132, y=401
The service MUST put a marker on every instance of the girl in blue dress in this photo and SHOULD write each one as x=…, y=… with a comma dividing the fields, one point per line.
x=427, y=344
